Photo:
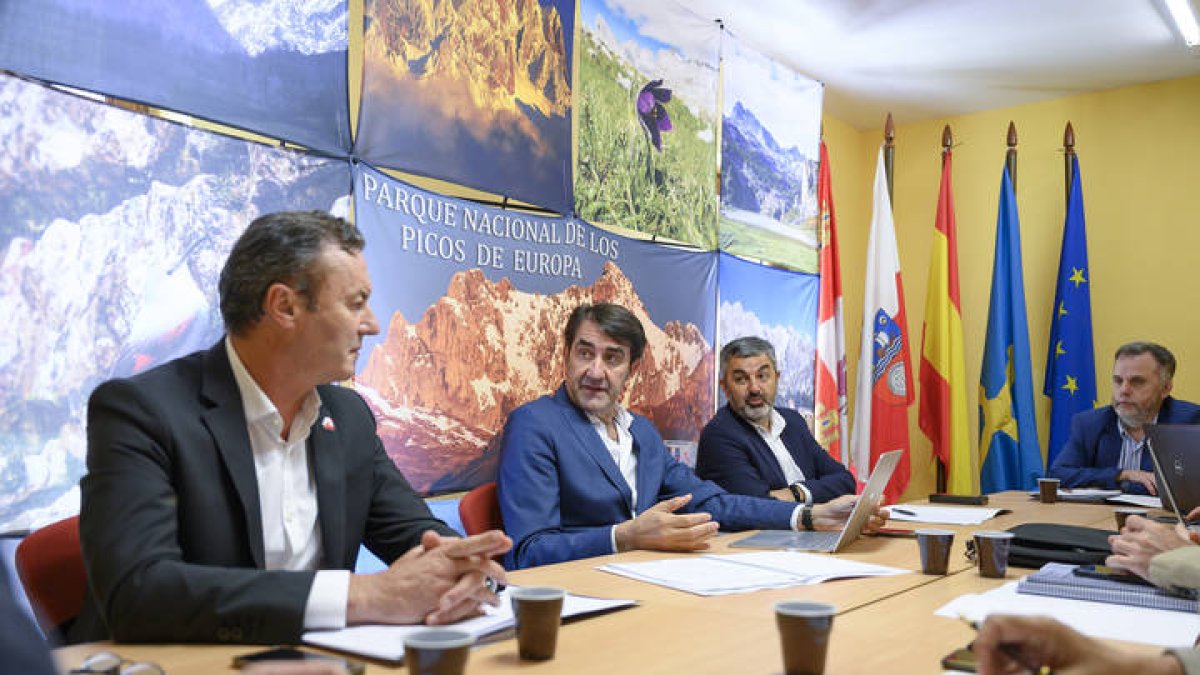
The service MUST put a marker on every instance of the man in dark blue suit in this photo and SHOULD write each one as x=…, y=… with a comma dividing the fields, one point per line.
x=580, y=476
x=752, y=447
x=1106, y=448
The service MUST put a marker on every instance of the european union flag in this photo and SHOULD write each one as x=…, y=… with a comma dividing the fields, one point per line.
x=1007, y=420
x=1071, y=361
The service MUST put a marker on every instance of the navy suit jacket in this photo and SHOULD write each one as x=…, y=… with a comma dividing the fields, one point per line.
x=561, y=493
x=733, y=455
x=171, y=525
x=1089, y=457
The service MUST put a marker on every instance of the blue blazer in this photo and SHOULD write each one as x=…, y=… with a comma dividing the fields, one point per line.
x=1089, y=457
x=733, y=455
x=561, y=493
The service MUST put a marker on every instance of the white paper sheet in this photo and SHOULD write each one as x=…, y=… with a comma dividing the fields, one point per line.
x=1160, y=627
x=744, y=572
x=1144, y=501
x=947, y=515
x=387, y=642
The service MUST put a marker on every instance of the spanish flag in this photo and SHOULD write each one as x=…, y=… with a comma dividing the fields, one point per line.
x=942, y=410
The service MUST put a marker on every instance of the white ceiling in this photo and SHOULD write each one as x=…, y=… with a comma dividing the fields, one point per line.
x=924, y=59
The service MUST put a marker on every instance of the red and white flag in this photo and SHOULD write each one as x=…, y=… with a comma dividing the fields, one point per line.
x=884, y=390
x=830, y=424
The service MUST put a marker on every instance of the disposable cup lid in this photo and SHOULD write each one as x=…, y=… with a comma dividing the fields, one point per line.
x=439, y=638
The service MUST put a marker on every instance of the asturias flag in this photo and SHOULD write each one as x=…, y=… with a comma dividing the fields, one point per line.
x=830, y=388
x=943, y=408
x=884, y=389
x=1008, y=439
x=1071, y=361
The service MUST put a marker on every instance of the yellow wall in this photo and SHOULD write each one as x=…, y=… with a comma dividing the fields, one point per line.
x=1139, y=153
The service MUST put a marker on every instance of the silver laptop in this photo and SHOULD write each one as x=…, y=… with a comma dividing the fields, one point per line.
x=831, y=541
x=1175, y=449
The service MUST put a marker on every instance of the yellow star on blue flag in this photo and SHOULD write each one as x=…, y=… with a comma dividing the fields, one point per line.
x=1070, y=361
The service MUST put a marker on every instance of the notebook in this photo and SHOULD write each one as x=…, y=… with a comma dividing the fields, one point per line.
x=1175, y=449
x=1060, y=581
x=831, y=541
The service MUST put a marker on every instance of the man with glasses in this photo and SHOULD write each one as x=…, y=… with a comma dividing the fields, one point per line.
x=228, y=491
x=1106, y=448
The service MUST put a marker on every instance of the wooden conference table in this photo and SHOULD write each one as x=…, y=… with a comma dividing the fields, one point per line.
x=884, y=624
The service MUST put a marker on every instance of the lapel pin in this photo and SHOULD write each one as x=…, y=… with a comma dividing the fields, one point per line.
x=327, y=423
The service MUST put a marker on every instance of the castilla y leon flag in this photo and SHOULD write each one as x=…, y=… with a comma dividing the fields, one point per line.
x=884, y=390
x=830, y=388
x=942, y=411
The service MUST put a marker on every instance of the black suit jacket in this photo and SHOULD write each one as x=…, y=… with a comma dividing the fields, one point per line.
x=733, y=455
x=170, y=520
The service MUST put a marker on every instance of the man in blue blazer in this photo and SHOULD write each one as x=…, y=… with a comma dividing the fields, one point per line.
x=751, y=447
x=1106, y=445
x=228, y=491
x=581, y=476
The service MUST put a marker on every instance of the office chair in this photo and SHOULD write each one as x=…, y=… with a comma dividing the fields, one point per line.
x=480, y=511
x=50, y=564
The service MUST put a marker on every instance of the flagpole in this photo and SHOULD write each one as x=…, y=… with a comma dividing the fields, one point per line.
x=1010, y=159
x=889, y=153
x=947, y=144
x=1069, y=156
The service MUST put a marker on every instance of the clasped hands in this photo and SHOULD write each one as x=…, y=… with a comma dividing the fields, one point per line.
x=438, y=582
x=659, y=528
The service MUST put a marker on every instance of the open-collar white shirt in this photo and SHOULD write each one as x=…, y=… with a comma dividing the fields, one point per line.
x=287, y=496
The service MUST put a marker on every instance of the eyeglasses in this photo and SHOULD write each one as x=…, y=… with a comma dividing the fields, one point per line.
x=109, y=663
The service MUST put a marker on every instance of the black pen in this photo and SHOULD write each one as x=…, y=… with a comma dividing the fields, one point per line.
x=903, y=512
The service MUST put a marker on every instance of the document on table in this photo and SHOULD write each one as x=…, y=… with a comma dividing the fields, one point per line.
x=387, y=642
x=1162, y=627
x=1144, y=501
x=947, y=515
x=714, y=574
x=1096, y=495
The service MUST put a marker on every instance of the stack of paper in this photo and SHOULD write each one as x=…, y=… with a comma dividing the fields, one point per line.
x=387, y=642
x=1144, y=501
x=743, y=572
x=948, y=515
x=1160, y=627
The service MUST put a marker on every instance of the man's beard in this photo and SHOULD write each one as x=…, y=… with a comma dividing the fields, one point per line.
x=756, y=413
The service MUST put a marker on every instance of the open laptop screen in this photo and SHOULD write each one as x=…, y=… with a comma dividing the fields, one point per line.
x=1175, y=449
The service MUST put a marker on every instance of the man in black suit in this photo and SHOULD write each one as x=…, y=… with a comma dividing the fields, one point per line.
x=228, y=491
x=751, y=447
x=23, y=649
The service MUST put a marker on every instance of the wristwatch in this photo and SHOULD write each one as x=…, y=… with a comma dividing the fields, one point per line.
x=800, y=494
x=806, y=518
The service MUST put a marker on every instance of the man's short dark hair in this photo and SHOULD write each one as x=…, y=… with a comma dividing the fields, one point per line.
x=745, y=347
x=617, y=323
x=282, y=248
x=1162, y=355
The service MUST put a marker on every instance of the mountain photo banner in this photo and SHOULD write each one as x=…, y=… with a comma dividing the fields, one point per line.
x=111, y=247
x=750, y=306
x=770, y=135
x=475, y=93
x=647, y=99
x=472, y=302
x=275, y=67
